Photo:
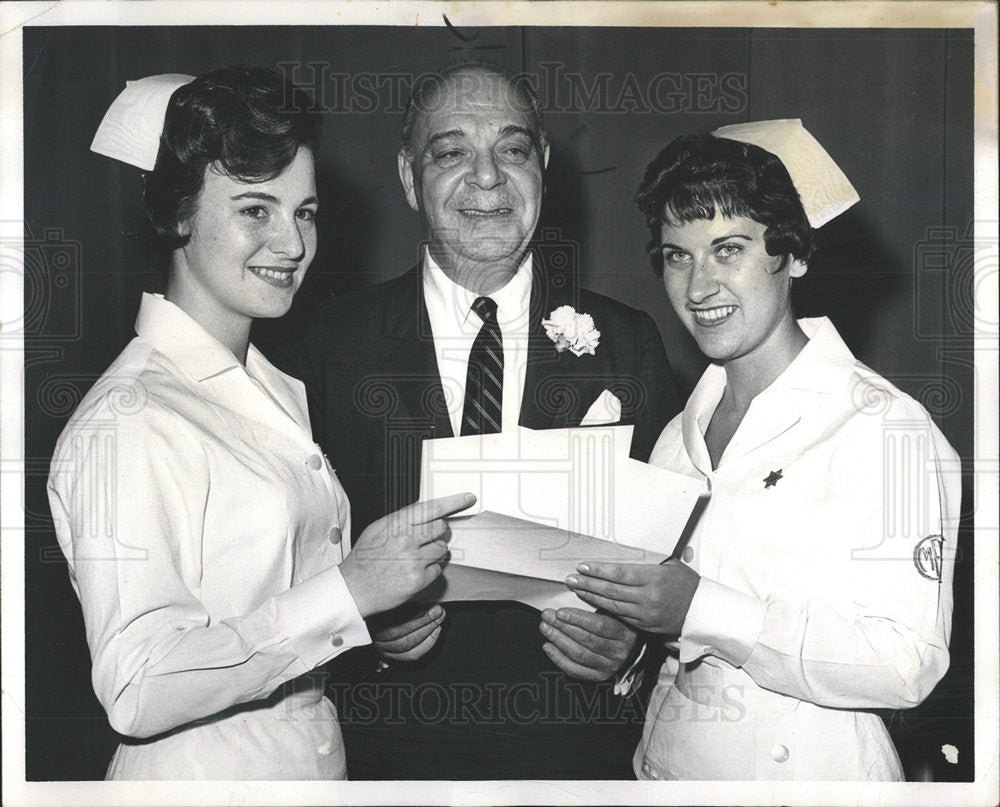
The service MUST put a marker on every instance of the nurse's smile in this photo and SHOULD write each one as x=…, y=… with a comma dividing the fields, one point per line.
x=711, y=317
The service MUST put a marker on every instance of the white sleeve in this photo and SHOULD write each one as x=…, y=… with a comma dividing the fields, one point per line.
x=127, y=506
x=884, y=642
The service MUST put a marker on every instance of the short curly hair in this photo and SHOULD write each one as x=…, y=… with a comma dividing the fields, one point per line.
x=248, y=121
x=699, y=175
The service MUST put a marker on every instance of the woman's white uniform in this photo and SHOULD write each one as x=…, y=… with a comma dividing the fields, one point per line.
x=826, y=556
x=203, y=528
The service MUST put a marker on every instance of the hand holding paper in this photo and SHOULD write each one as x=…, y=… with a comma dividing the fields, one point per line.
x=400, y=554
x=550, y=499
x=402, y=635
x=652, y=598
x=587, y=646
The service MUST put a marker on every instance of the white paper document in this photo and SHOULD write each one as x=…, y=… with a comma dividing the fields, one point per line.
x=548, y=500
x=463, y=583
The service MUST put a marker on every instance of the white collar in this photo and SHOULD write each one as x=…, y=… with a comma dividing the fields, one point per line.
x=179, y=337
x=809, y=370
x=174, y=333
x=820, y=367
x=454, y=302
x=825, y=347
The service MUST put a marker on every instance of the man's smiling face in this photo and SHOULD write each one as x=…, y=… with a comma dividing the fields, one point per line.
x=474, y=173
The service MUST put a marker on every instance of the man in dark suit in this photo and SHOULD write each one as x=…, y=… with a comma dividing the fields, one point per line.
x=457, y=346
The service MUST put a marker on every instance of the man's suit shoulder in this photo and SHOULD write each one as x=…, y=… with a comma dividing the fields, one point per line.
x=592, y=301
x=345, y=318
x=627, y=330
x=353, y=310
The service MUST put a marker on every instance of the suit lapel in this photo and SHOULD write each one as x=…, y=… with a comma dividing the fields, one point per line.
x=548, y=376
x=417, y=380
x=545, y=378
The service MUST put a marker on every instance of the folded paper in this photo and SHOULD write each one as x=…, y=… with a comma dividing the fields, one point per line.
x=550, y=499
x=465, y=583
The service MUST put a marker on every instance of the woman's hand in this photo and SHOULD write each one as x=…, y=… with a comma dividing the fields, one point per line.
x=400, y=554
x=649, y=598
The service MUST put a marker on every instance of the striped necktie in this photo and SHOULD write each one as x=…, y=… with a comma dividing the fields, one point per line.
x=483, y=410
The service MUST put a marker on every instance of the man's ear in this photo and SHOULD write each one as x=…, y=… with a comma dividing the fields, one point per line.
x=797, y=268
x=545, y=156
x=405, y=165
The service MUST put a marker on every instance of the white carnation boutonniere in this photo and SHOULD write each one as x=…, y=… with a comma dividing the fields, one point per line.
x=572, y=331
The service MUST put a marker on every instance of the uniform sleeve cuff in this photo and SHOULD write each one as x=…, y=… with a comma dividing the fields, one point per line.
x=721, y=622
x=321, y=619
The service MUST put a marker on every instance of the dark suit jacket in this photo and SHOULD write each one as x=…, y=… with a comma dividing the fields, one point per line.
x=486, y=703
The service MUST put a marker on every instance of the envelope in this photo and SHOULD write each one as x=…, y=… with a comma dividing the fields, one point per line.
x=467, y=583
x=550, y=499
x=579, y=479
x=496, y=557
x=514, y=546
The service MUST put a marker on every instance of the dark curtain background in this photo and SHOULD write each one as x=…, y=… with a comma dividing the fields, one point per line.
x=894, y=108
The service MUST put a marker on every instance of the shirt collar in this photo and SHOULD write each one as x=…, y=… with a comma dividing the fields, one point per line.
x=175, y=334
x=810, y=370
x=444, y=295
x=820, y=367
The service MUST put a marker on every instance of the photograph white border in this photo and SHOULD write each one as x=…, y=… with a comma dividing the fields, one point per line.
x=14, y=16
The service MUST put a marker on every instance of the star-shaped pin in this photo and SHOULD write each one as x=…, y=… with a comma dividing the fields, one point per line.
x=772, y=479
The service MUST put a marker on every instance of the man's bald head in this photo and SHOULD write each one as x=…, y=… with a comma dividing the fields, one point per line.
x=472, y=163
x=425, y=94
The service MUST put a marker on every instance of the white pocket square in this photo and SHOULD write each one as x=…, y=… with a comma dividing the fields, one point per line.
x=606, y=409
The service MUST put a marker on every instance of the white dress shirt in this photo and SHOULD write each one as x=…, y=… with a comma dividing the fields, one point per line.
x=817, y=556
x=203, y=528
x=455, y=326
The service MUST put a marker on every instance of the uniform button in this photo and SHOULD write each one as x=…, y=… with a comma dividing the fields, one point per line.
x=334, y=536
x=315, y=462
x=779, y=753
x=688, y=554
x=336, y=639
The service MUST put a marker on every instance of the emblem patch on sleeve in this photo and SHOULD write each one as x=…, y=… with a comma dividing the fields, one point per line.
x=927, y=556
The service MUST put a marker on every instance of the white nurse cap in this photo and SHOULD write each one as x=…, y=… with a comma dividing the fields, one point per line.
x=132, y=126
x=823, y=188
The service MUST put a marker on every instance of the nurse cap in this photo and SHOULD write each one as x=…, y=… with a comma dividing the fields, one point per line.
x=823, y=188
x=132, y=126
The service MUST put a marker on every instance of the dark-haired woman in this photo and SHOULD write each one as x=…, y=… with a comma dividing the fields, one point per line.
x=207, y=536
x=817, y=583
